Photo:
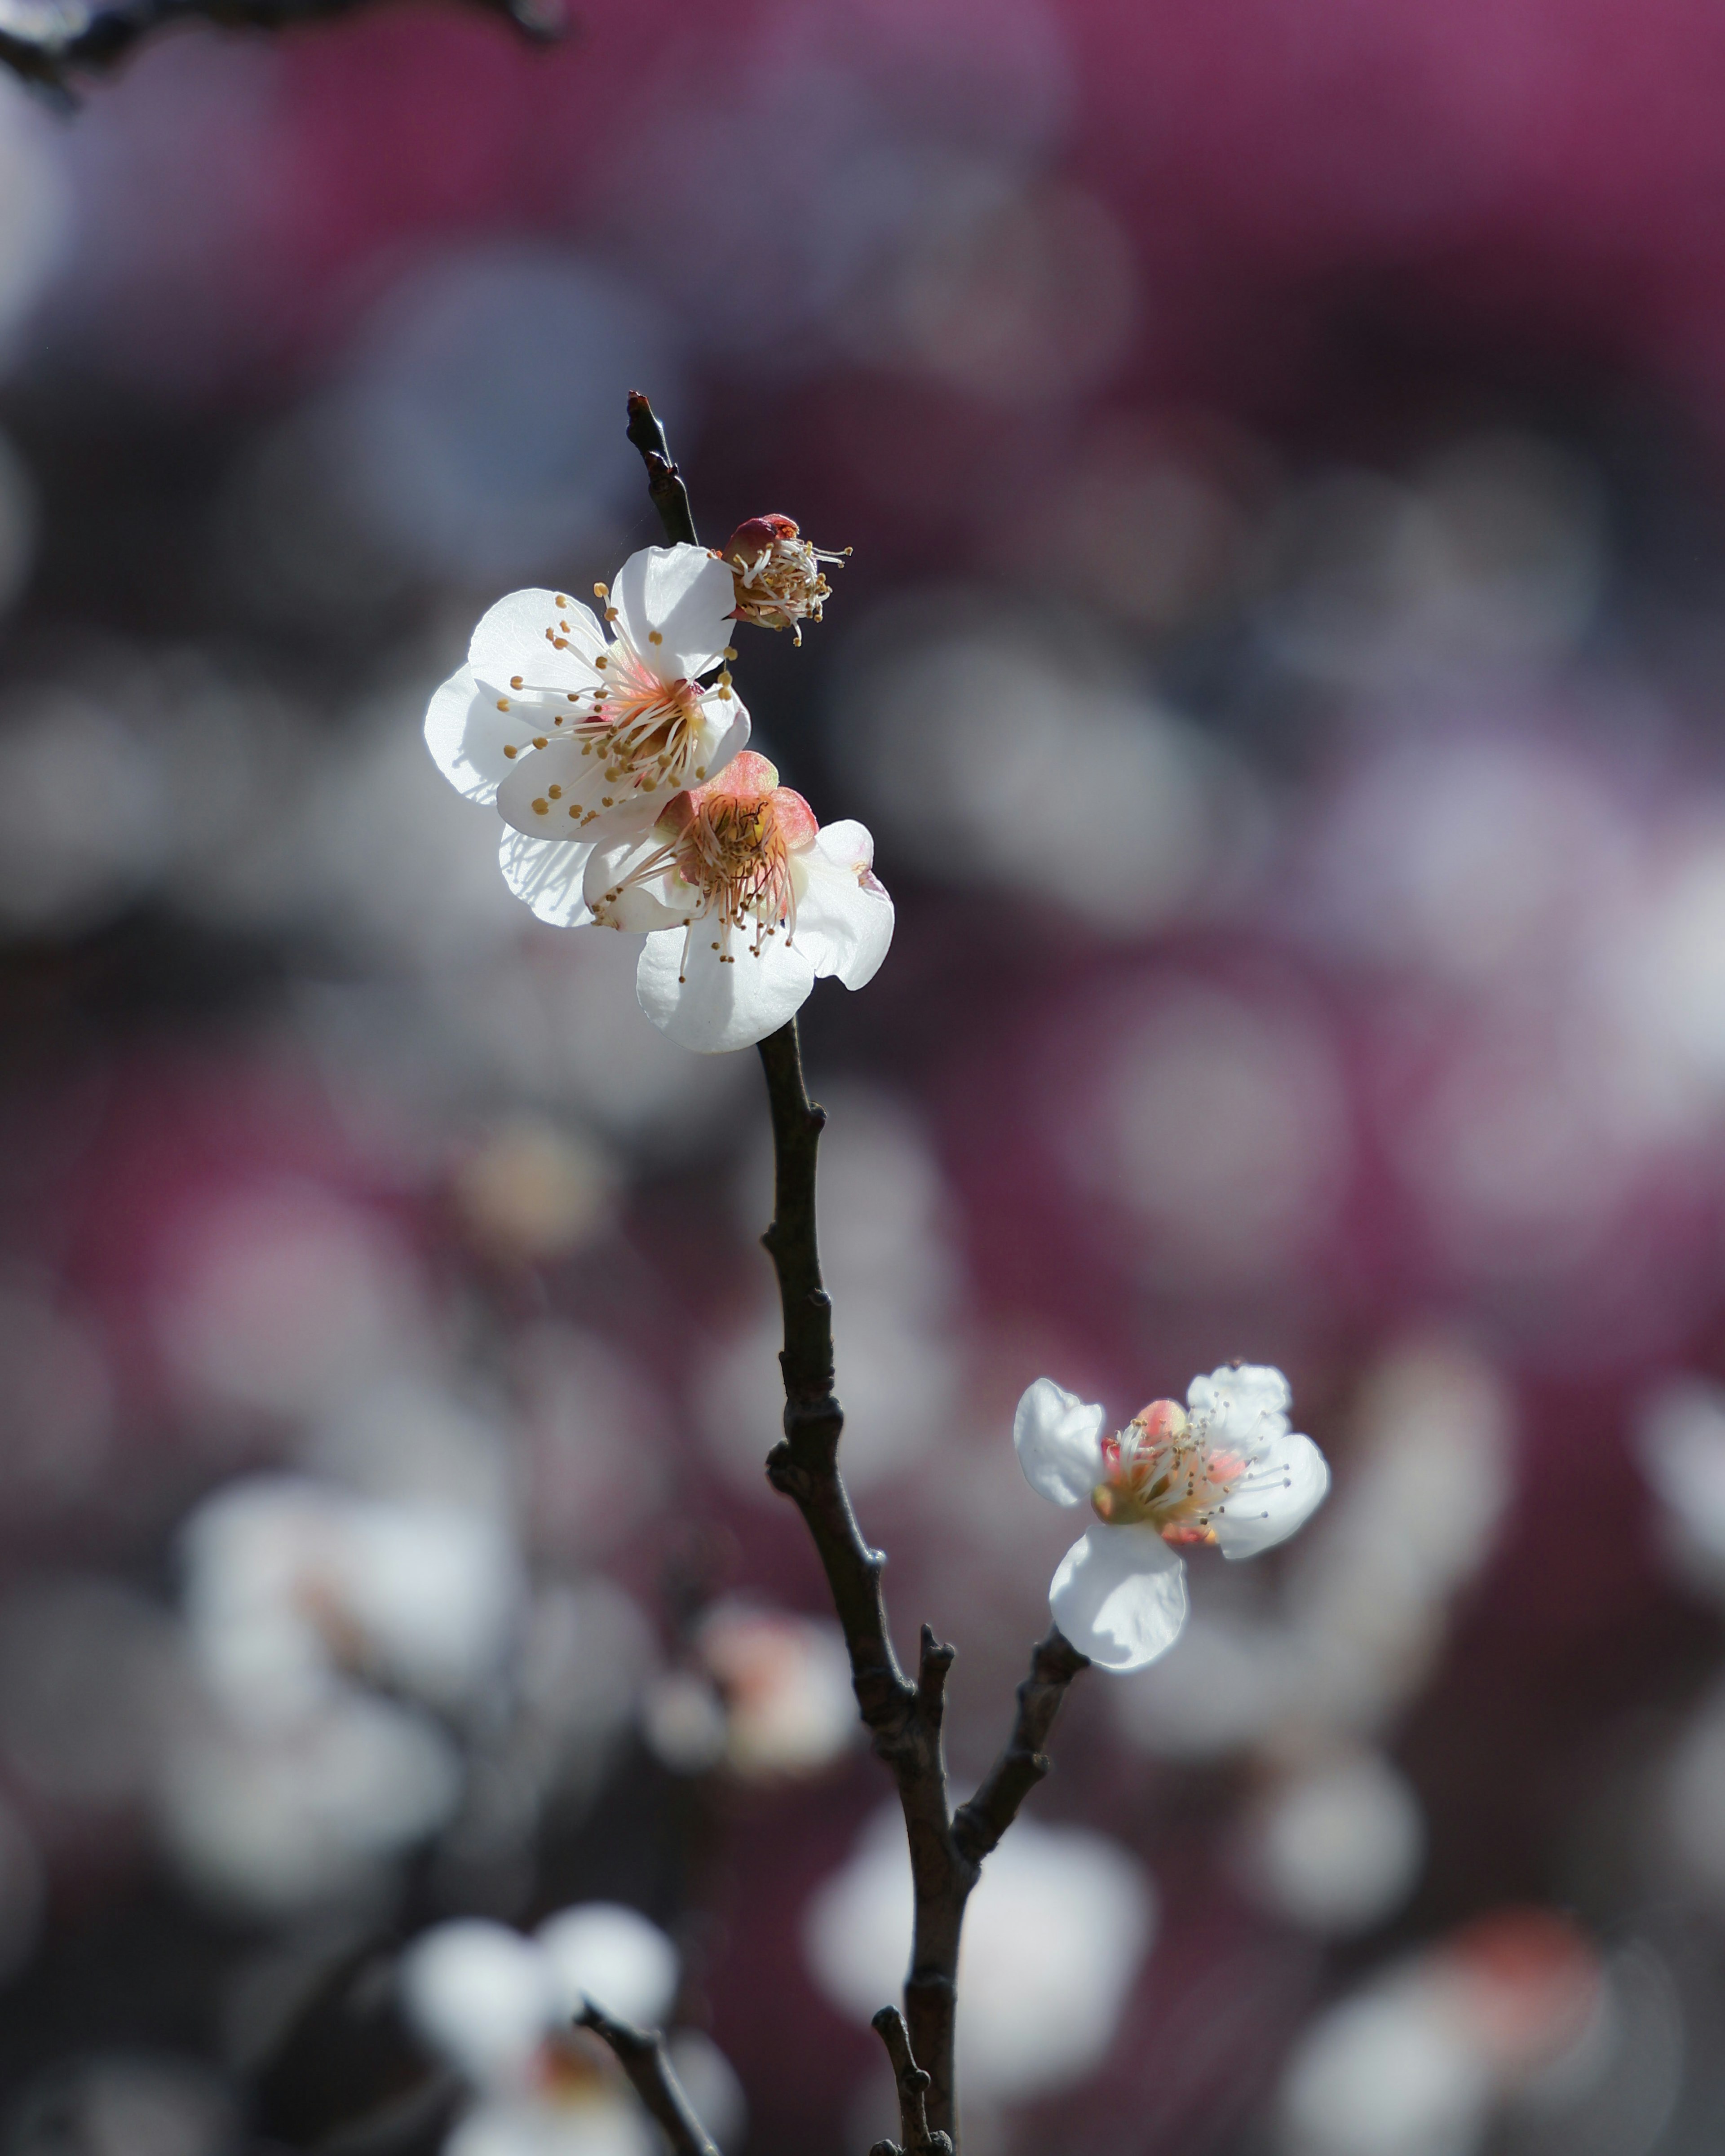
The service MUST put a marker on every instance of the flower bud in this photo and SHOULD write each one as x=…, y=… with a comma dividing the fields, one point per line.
x=777, y=574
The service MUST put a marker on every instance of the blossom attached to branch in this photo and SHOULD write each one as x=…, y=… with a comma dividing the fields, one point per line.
x=745, y=901
x=1226, y=1469
x=579, y=735
x=777, y=575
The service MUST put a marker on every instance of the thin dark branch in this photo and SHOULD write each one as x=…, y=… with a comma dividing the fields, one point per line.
x=916, y=2137
x=48, y=42
x=641, y=2054
x=980, y=1823
x=664, y=482
x=903, y=1717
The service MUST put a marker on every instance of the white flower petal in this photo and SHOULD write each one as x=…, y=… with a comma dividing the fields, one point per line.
x=844, y=917
x=1120, y=1597
x=1242, y=1410
x=546, y=874
x=685, y=596
x=720, y=1007
x=727, y=723
x=582, y=792
x=480, y=1994
x=466, y=734
x=512, y=639
x=613, y=1955
x=659, y=900
x=1279, y=1492
x=1059, y=1440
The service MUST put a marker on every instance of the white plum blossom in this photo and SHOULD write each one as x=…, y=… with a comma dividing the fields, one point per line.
x=745, y=901
x=777, y=577
x=580, y=729
x=498, y=2007
x=1225, y=1469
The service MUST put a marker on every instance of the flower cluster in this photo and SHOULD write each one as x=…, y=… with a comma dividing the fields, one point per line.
x=1226, y=1469
x=614, y=752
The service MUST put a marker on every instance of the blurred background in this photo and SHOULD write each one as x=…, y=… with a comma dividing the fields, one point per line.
x=1281, y=662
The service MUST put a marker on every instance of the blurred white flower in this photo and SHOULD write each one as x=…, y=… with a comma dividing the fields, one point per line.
x=1230, y=1471
x=1336, y=1846
x=577, y=735
x=785, y=1681
x=744, y=857
x=38, y=222
x=273, y=1817
x=289, y=1582
x=285, y=1297
x=1682, y=1455
x=776, y=574
x=500, y=2009
x=1509, y=2008
x=1054, y=1937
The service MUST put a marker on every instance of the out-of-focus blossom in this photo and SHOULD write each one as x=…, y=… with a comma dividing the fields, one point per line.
x=985, y=741
x=83, y=814
x=595, y=1431
x=785, y=1681
x=791, y=900
x=37, y=224
x=290, y=1581
x=1230, y=1471
x=498, y=2007
x=1054, y=1937
x=1337, y=1846
x=1418, y=2063
x=1218, y=1123
x=282, y=1297
x=577, y=734
x=468, y=451
x=898, y=1322
x=1682, y=1453
x=271, y=1817
x=777, y=574
x=532, y=1189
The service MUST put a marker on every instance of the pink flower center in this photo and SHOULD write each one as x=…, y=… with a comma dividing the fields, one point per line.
x=1159, y=1472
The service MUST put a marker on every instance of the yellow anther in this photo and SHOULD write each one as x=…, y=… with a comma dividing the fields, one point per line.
x=654, y=637
x=555, y=791
x=599, y=591
x=503, y=703
x=562, y=602
x=602, y=660
x=515, y=681
x=509, y=748
x=541, y=807
x=538, y=741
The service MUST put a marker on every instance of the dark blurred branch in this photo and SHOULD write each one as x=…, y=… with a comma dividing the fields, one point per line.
x=47, y=42
x=641, y=2054
x=916, y=2136
x=664, y=482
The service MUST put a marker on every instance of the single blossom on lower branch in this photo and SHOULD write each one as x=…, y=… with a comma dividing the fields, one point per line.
x=579, y=730
x=745, y=901
x=1226, y=1469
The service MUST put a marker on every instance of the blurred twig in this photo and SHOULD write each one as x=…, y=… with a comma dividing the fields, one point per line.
x=902, y=1718
x=49, y=41
x=641, y=2054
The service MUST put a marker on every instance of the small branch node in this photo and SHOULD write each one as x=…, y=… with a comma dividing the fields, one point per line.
x=642, y=2055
